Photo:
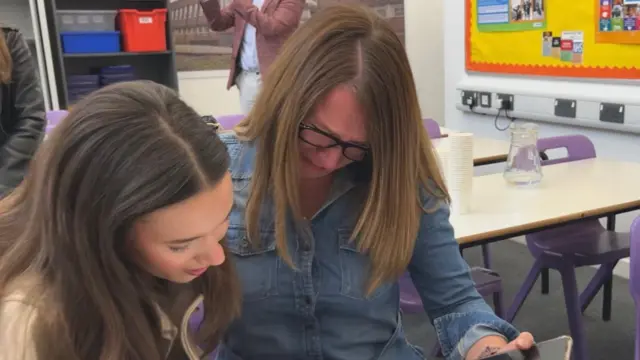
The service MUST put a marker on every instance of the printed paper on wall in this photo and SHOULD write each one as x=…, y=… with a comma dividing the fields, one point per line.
x=510, y=15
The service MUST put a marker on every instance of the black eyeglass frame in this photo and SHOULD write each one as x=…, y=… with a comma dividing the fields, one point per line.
x=337, y=142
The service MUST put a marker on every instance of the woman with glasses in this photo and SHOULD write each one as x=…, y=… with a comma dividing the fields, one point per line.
x=337, y=194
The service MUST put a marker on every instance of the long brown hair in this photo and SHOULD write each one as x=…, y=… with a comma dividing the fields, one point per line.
x=122, y=152
x=6, y=63
x=347, y=44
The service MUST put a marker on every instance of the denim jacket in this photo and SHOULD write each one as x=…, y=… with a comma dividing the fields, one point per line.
x=320, y=309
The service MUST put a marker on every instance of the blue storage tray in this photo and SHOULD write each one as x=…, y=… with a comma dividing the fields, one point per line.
x=111, y=79
x=83, y=80
x=82, y=89
x=116, y=70
x=90, y=42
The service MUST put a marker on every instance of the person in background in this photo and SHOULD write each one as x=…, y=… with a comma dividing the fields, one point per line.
x=115, y=236
x=337, y=194
x=260, y=29
x=22, y=109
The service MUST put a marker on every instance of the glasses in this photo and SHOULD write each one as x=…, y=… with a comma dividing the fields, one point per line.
x=323, y=140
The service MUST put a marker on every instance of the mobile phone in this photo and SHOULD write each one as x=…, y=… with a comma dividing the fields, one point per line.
x=554, y=349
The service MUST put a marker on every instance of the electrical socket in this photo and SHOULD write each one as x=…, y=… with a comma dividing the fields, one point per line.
x=565, y=108
x=613, y=113
x=485, y=99
x=504, y=101
x=469, y=98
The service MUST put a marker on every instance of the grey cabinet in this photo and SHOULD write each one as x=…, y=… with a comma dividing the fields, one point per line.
x=156, y=66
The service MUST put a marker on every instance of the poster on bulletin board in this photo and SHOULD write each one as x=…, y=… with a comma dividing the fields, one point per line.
x=510, y=15
x=618, y=21
x=554, y=38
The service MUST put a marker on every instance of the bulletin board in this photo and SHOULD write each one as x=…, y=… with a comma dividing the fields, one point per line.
x=577, y=38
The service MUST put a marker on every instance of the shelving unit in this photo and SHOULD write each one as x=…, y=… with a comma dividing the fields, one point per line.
x=155, y=66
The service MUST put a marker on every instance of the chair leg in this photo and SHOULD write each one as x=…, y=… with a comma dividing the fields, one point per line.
x=486, y=256
x=545, y=280
x=525, y=288
x=607, y=294
x=572, y=303
x=602, y=277
x=497, y=304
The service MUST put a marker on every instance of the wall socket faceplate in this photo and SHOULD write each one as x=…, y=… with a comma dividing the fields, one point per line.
x=469, y=98
x=484, y=99
x=613, y=113
x=500, y=99
x=565, y=108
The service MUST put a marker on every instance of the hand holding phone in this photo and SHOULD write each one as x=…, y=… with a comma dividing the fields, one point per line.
x=554, y=349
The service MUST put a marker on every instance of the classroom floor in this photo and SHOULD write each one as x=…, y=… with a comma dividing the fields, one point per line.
x=544, y=315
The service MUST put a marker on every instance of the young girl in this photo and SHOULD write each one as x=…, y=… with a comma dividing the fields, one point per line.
x=115, y=237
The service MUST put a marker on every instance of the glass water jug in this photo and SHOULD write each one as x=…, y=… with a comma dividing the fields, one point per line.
x=523, y=163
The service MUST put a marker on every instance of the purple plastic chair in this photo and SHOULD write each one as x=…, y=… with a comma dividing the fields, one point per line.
x=574, y=245
x=53, y=118
x=488, y=283
x=634, y=276
x=229, y=121
x=433, y=128
x=194, y=323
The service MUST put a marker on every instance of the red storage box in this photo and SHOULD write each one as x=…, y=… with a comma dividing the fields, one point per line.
x=143, y=31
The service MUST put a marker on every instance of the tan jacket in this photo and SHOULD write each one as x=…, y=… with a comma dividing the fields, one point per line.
x=17, y=317
x=274, y=23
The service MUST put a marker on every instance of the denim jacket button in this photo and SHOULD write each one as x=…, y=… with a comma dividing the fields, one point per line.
x=245, y=243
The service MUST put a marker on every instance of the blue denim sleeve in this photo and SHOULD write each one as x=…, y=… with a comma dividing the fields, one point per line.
x=459, y=314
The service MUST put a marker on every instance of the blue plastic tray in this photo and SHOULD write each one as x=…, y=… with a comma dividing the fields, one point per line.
x=90, y=42
x=83, y=80
x=116, y=70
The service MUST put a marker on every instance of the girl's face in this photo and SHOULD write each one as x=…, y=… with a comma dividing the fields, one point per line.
x=180, y=242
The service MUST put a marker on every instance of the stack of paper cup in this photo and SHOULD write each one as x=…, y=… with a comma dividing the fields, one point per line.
x=442, y=152
x=459, y=171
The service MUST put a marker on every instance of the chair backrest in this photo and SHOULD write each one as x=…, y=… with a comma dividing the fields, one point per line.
x=578, y=147
x=634, y=277
x=229, y=121
x=54, y=117
x=433, y=128
x=410, y=301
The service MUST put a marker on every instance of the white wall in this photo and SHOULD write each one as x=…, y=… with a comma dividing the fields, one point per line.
x=608, y=144
x=17, y=13
x=206, y=90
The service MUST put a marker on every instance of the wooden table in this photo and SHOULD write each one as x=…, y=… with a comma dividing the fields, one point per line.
x=485, y=151
x=568, y=192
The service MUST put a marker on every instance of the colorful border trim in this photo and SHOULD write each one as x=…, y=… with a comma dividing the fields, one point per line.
x=540, y=70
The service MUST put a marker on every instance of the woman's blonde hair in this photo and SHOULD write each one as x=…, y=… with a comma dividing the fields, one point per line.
x=347, y=44
x=6, y=64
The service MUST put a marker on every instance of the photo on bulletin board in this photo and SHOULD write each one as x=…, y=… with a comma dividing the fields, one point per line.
x=199, y=48
x=568, y=46
x=511, y=15
x=618, y=21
